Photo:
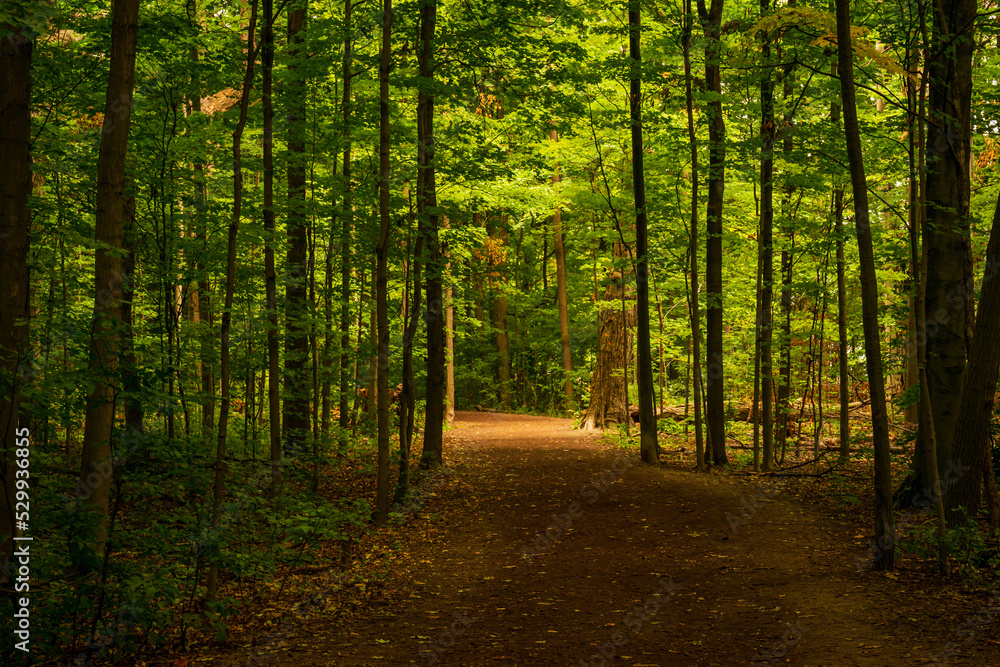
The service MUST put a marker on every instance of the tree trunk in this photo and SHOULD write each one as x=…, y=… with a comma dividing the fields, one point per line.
x=295, y=415
x=884, y=529
x=219, y=485
x=95, y=471
x=382, y=254
x=270, y=275
x=608, y=380
x=449, y=342
x=500, y=311
x=131, y=381
x=767, y=131
x=432, y=456
x=407, y=397
x=644, y=362
x=201, y=305
x=971, y=453
x=561, y=300
x=949, y=281
x=714, y=387
x=15, y=220
x=694, y=306
x=347, y=223
x=785, y=354
x=845, y=397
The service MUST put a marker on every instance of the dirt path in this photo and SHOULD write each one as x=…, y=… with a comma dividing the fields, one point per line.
x=650, y=562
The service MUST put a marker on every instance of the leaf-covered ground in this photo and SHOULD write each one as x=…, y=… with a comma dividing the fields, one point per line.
x=544, y=546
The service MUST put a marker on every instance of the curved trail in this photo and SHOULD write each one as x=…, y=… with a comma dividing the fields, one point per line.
x=653, y=558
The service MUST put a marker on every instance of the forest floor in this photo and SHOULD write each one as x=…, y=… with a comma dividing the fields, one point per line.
x=665, y=567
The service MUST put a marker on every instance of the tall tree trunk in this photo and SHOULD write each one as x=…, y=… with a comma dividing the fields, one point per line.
x=201, y=298
x=694, y=306
x=785, y=353
x=845, y=398
x=767, y=131
x=714, y=387
x=382, y=270
x=644, y=362
x=787, y=265
x=295, y=414
x=407, y=397
x=431, y=456
x=971, y=455
x=449, y=340
x=371, y=402
x=219, y=485
x=95, y=471
x=131, y=382
x=500, y=310
x=270, y=275
x=347, y=222
x=884, y=529
x=755, y=407
x=949, y=280
x=561, y=299
x=15, y=220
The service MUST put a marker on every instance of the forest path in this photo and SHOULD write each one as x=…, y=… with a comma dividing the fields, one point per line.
x=786, y=581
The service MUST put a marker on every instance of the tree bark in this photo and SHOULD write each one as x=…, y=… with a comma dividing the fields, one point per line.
x=449, y=341
x=767, y=131
x=845, y=398
x=884, y=529
x=295, y=414
x=270, y=275
x=561, y=300
x=949, y=282
x=607, y=382
x=219, y=483
x=644, y=362
x=382, y=254
x=694, y=306
x=347, y=222
x=96, y=468
x=432, y=456
x=714, y=387
x=131, y=381
x=15, y=220
x=971, y=454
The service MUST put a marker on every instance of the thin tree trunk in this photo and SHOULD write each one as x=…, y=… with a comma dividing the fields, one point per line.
x=561, y=300
x=755, y=407
x=818, y=434
x=714, y=387
x=131, y=382
x=270, y=275
x=767, y=132
x=382, y=254
x=219, y=484
x=95, y=471
x=449, y=341
x=347, y=222
x=644, y=361
x=884, y=529
x=407, y=397
x=845, y=397
x=694, y=306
